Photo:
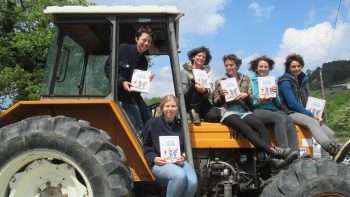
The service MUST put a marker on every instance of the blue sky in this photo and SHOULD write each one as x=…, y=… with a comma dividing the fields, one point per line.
x=251, y=28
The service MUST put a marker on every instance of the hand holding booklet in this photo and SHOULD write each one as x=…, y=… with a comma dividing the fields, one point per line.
x=231, y=86
x=201, y=77
x=316, y=106
x=169, y=148
x=265, y=85
x=140, y=81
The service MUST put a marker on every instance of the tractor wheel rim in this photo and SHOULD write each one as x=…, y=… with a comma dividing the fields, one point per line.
x=34, y=173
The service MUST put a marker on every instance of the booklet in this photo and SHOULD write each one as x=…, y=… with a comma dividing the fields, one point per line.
x=140, y=81
x=232, y=88
x=315, y=105
x=169, y=148
x=201, y=76
x=265, y=85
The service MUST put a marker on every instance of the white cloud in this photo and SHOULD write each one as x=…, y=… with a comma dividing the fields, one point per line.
x=165, y=70
x=260, y=11
x=314, y=42
x=160, y=87
x=201, y=17
x=162, y=84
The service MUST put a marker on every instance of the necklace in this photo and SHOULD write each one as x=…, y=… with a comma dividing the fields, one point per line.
x=170, y=124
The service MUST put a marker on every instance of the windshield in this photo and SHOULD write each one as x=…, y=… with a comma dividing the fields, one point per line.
x=82, y=57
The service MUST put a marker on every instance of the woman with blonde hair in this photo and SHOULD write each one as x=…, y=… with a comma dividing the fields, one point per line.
x=179, y=176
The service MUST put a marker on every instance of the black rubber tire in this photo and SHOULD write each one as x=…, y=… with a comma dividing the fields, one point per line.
x=103, y=163
x=310, y=177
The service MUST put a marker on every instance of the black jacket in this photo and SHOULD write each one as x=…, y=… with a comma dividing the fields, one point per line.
x=129, y=59
x=153, y=129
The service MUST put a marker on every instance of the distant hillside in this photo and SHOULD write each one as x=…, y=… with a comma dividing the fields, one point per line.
x=333, y=73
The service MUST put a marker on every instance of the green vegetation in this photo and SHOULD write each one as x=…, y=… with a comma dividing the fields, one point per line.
x=150, y=101
x=338, y=97
x=338, y=114
x=333, y=73
x=25, y=36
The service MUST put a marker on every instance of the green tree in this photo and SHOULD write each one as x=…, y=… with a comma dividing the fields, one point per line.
x=25, y=36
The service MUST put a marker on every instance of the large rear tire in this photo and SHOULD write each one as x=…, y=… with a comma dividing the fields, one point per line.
x=60, y=156
x=310, y=177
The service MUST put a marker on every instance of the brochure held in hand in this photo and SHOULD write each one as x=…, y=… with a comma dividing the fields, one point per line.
x=169, y=148
x=201, y=77
x=232, y=88
x=265, y=85
x=140, y=81
x=316, y=106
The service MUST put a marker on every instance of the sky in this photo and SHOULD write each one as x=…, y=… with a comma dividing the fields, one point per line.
x=251, y=28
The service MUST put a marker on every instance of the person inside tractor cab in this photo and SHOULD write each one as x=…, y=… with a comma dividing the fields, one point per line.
x=294, y=91
x=237, y=116
x=197, y=95
x=132, y=57
x=267, y=108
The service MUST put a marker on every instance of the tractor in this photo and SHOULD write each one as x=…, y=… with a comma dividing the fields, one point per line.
x=77, y=140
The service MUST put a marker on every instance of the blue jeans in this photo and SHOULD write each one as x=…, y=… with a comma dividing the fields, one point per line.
x=138, y=112
x=181, y=180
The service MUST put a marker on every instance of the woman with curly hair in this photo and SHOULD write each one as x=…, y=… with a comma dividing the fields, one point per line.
x=197, y=96
x=294, y=93
x=236, y=115
x=267, y=109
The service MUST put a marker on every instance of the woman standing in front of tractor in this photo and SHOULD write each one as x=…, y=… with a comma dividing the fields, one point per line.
x=267, y=109
x=294, y=93
x=180, y=178
x=237, y=116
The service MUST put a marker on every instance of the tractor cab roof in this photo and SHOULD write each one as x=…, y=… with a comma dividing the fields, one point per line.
x=90, y=26
x=145, y=9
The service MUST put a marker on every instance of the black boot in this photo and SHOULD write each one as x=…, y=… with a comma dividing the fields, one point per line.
x=306, y=155
x=274, y=163
x=286, y=154
x=195, y=117
x=262, y=156
x=337, y=151
x=277, y=163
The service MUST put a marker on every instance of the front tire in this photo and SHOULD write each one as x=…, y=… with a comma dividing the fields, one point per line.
x=310, y=177
x=42, y=156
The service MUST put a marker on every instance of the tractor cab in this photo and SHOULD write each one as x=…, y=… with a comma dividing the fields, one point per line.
x=87, y=39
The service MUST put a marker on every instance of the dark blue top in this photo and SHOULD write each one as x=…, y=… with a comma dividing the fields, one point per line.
x=129, y=59
x=153, y=129
x=294, y=93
